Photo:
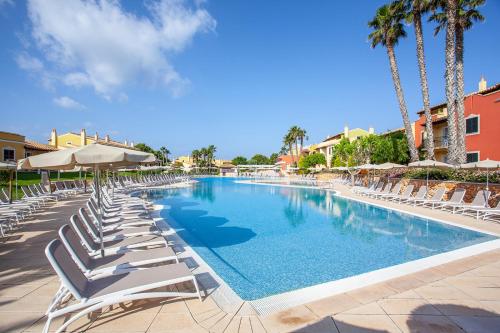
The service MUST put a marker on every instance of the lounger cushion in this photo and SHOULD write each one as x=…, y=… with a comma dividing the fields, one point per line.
x=131, y=257
x=151, y=276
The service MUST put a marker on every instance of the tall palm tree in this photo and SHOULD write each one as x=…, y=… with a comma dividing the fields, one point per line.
x=196, y=155
x=294, y=135
x=164, y=151
x=415, y=10
x=387, y=30
x=204, y=156
x=288, y=141
x=211, y=153
x=466, y=15
x=302, y=135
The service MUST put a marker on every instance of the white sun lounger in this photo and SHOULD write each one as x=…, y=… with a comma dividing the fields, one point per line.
x=457, y=198
x=115, y=263
x=403, y=196
x=115, y=246
x=474, y=208
x=394, y=192
x=436, y=198
x=421, y=193
x=91, y=295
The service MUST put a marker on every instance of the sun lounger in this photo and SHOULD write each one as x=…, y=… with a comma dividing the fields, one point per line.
x=377, y=189
x=403, y=196
x=457, y=199
x=488, y=212
x=436, y=198
x=114, y=232
x=474, y=208
x=394, y=192
x=386, y=190
x=115, y=246
x=120, y=220
x=111, y=264
x=421, y=193
x=91, y=295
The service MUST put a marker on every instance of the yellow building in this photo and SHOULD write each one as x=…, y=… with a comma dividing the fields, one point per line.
x=187, y=161
x=326, y=146
x=70, y=140
x=14, y=147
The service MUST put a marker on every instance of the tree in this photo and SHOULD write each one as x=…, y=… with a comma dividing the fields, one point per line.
x=145, y=148
x=301, y=135
x=387, y=30
x=239, y=160
x=196, y=155
x=466, y=15
x=288, y=141
x=310, y=161
x=259, y=159
x=273, y=158
x=342, y=151
x=164, y=152
x=415, y=10
x=211, y=150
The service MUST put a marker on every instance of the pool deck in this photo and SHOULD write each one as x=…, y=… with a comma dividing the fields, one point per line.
x=461, y=296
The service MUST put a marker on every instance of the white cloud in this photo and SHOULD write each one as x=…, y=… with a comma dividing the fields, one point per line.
x=36, y=68
x=99, y=44
x=68, y=103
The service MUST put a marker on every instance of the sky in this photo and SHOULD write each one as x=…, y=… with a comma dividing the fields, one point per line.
x=237, y=74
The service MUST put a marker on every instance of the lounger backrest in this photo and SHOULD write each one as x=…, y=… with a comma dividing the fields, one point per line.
x=421, y=193
x=439, y=194
x=481, y=198
x=74, y=246
x=67, y=270
x=387, y=188
x=34, y=190
x=408, y=191
x=457, y=196
x=83, y=233
x=396, y=188
x=3, y=197
x=89, y=222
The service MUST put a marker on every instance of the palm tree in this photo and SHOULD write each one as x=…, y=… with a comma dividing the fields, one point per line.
x=288, y=141
x=467, y=15
x=164, y=151
x=415, y=10
x=210, y=154
x=204, y=156
x=387, y=30
x=302, y=135
x=195, y=155
x=294, y=134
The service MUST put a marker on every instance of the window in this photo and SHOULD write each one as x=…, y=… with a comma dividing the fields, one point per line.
x=473, y=157
x=9, y=154
x=472, y=125
x=28, y=154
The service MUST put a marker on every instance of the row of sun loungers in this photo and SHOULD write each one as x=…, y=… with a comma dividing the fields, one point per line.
x=455, y=204
x=139, y=263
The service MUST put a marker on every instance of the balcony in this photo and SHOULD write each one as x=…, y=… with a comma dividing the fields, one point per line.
x=440, y=142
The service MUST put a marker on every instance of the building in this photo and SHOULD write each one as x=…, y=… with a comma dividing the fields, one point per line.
x=71, y=140
x=482, y=116
x=285, y=162
x=187, y=161
x=326, y=146
x=14, y=147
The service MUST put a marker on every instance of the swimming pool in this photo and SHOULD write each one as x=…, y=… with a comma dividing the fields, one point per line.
x=266, y=240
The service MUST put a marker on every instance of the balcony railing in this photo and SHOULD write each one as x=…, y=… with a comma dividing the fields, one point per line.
x=439, y=142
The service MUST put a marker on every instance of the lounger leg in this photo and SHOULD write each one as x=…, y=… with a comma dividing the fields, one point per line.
x=197, y=288
x=47, y=324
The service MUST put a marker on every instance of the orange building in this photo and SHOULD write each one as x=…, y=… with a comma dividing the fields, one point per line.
x=482, y=115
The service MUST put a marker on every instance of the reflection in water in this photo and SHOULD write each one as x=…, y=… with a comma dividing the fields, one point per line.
x=203, y=191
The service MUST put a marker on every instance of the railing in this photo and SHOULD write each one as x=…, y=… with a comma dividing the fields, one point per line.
x=439, y=142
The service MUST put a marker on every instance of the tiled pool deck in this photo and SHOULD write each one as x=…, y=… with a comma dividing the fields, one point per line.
x=462, y=296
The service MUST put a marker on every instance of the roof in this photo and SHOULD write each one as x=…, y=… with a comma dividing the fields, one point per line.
x=486, y=91
x=395, y=130
x=28, y=144
x=102, y=141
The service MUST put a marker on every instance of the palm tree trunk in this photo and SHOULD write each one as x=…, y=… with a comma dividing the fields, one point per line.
x=451, y=9
x=291, y=151
x=459, y=49
x=297, y=150
x=402, y=103
x=429, y=143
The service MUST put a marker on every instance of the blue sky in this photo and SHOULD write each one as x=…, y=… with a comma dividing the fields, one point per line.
x=236, y=74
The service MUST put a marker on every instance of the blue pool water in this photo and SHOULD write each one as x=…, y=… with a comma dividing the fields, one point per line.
x=265, y=240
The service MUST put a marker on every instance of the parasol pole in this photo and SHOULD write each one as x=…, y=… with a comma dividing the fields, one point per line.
x=16, y=184
x=10, y=186
x=97, y=182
